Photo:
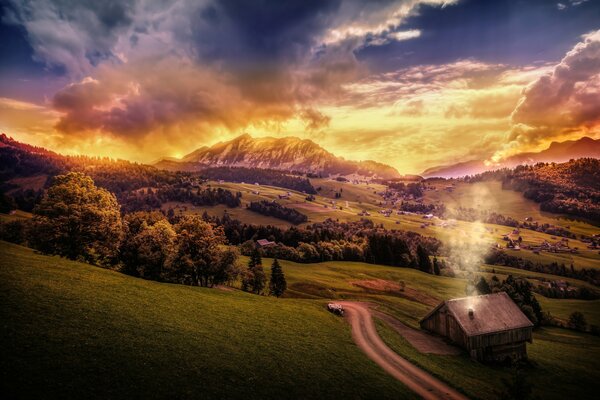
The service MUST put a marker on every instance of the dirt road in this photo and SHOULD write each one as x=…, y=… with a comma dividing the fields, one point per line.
x=366, y=337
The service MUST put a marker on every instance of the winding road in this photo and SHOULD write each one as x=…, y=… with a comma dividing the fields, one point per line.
x=366, y=337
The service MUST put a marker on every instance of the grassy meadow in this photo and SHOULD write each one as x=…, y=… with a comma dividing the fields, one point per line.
x=71, y=330
x=75, y=329
x=363, y=197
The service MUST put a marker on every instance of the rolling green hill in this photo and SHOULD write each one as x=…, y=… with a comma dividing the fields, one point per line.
x=71, y=330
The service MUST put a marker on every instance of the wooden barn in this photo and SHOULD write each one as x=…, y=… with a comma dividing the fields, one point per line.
x=490, y=327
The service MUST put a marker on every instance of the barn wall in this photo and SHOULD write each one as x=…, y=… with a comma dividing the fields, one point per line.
x=455, y=332
x=436, y=322
x=501, y=353
x=500, y=338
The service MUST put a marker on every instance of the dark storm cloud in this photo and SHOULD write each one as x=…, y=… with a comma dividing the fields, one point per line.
x=500, y=31
x=262, y=31
x=72, y=34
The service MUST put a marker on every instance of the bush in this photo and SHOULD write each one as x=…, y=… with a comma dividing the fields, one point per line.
x=577, y=321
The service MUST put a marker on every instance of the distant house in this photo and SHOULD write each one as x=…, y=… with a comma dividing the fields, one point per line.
x=265, y=243
x=490, y=327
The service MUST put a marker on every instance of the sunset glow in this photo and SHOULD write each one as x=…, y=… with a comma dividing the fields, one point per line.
x=401, y=82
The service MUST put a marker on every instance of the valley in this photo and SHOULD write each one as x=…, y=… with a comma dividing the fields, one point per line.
x=207, y=333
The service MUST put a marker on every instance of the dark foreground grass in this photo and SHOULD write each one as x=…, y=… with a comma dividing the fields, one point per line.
x=70, y=330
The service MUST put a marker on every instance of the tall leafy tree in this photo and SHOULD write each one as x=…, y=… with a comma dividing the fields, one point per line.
x=77, y=220
x=277, y=284
x=148, y=245
x=154, y=245
x=199, y=258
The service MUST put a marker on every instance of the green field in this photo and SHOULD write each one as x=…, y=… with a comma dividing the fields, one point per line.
x=564, y=366
x=73, y=330
x=488, y=195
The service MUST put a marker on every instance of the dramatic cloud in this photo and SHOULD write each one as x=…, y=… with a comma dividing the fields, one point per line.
x=367, y=79
x=564, y=102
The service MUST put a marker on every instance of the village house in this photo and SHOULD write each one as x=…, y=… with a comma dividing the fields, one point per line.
x=491, y=327
x=264, y=243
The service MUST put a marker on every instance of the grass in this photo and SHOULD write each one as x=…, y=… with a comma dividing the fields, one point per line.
x=71, y=330
x=562, y=308
x=484, y=195
x=74, y=330
x=15, y=216
x=563, y=365
x=489, y=195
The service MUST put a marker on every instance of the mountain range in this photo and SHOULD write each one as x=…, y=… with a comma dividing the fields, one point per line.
x=556, y=152
x=286, y=154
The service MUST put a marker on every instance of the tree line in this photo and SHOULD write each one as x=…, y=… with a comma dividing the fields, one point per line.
x=567, y=188
x=80, y=221
x=268, y=177
x=332, y=240
x=498, y=257
x=274, y=209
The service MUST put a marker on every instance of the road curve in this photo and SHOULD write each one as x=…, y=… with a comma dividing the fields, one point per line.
x=366, y=337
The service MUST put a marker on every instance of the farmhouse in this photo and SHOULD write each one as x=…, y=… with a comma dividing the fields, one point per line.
x=490, y=327
x=265, y=243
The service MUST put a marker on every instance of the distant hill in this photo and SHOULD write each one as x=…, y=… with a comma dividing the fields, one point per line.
x=557, y=152
x=287, y=154
x=570, y=188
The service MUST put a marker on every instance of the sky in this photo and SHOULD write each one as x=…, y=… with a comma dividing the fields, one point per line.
x=411, y=83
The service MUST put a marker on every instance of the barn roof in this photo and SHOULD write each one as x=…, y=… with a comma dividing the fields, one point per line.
x=491, y=313
x=264, y=242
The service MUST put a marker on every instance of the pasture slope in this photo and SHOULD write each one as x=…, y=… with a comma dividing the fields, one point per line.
x=485, y=196
x=71, y=330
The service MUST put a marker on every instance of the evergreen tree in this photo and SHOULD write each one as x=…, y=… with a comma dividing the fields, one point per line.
x=483, y=287
x=277, y=285
x=254, y=279
x=423, y=261
x=436, y=266
x=255, y=259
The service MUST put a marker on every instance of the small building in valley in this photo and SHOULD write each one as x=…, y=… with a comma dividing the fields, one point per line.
x=264, y=243
x=490, y=327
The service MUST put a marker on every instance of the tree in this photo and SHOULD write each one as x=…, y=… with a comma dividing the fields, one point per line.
x=199, y=259
x=154, y=245
x=436, y=266
x=277, y=285
x=423, y=260
x=136, y=238
x=577, y=321
x=482, y=286
x=518, y=387
x=15, y=231
x=7, y=203
x=254, y=279
x=77, y=220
